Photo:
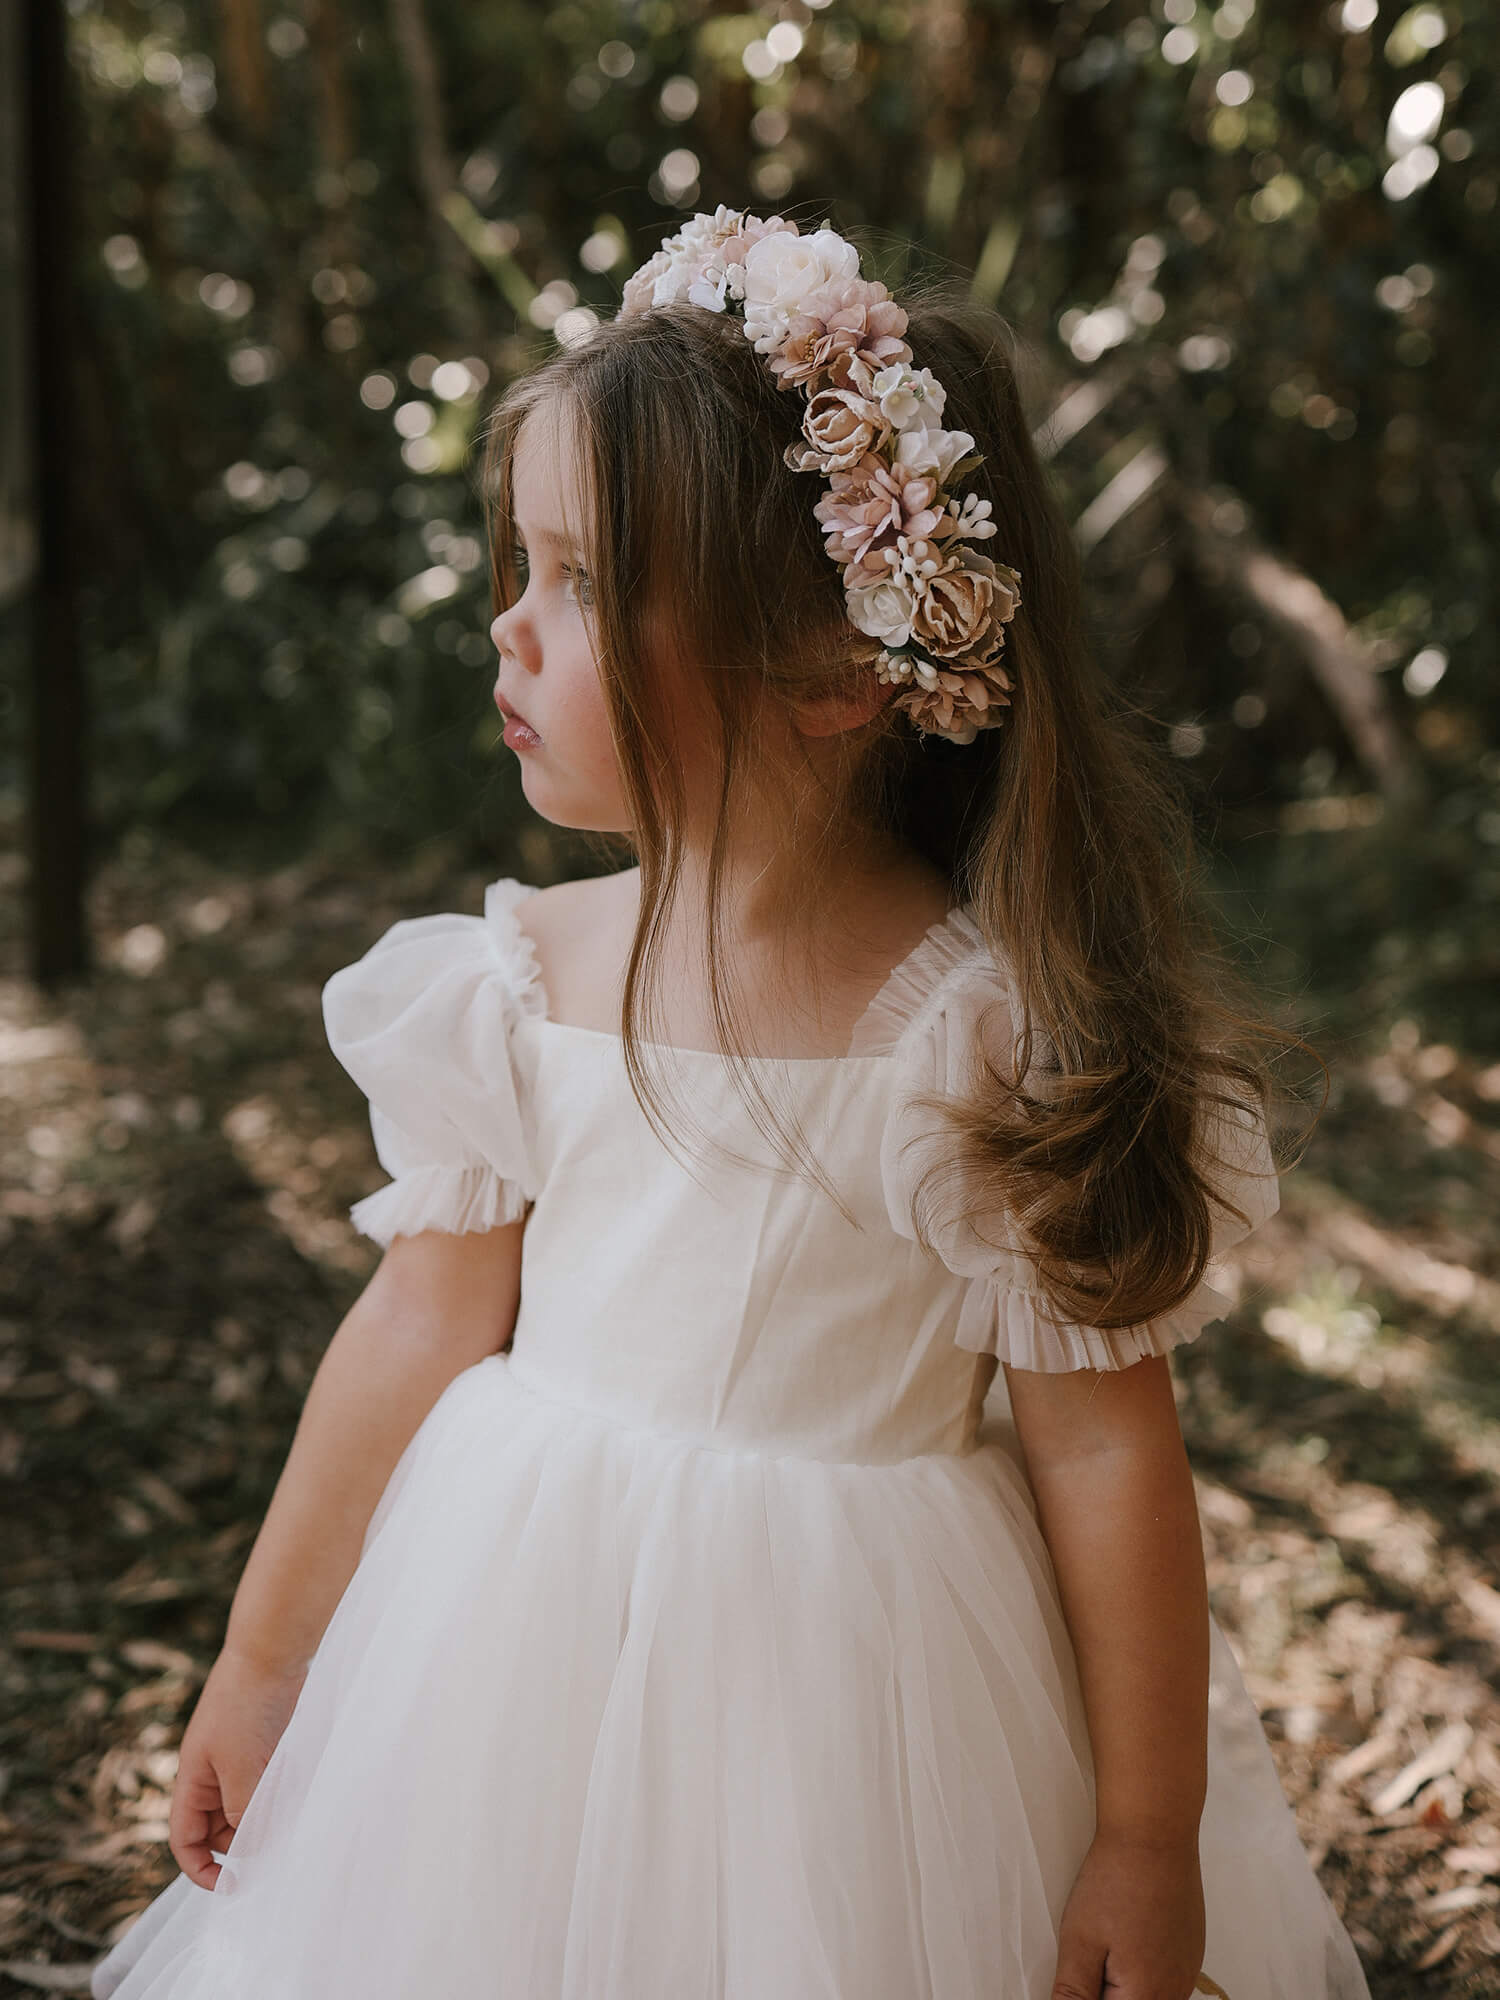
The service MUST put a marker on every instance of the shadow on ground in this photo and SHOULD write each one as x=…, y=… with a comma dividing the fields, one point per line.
x=178, y=1151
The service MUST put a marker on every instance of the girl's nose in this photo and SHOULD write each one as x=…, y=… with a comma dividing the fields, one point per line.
x=509, y=638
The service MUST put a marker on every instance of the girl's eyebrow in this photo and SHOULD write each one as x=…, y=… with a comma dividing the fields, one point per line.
x=549, y=535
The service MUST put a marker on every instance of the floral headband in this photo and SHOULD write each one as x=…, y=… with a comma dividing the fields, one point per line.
x=912, y=578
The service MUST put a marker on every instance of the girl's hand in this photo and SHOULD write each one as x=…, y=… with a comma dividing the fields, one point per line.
x=241, y=1713
x=1133, y=1926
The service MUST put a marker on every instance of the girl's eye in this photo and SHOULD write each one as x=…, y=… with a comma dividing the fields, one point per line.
x=584, y=585
x=518, y=558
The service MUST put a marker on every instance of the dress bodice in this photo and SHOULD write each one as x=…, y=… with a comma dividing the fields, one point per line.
x=729, y=1301
x=704, y=1288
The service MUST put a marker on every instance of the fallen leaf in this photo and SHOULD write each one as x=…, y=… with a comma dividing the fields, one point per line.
x=1443, y=1947
x=48, y=1978
x=166, y=1499
x=1473, y=1860
x=1473, y=1896
x=151, y=1656
x=1435, y=1761
x=1365, y=1757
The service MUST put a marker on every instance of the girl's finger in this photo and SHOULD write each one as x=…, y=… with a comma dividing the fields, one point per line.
x=197, y=1824
x=194, y=1849
x=1080, y=1972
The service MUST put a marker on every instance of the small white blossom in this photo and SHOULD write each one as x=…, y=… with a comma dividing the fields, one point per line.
x=708, y=290
x=910, y=398
x=893, y=669
x=973, y=518
x=935, y=452
x=913, y=560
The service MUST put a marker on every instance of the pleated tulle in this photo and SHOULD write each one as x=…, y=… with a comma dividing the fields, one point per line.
x=606, y=1715
x=1015, y=1322
x=455, y=1199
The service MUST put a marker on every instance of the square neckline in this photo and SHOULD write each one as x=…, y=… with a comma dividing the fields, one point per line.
x=902, y=985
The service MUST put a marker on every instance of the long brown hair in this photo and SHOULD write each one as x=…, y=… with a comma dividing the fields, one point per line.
x=1061, y=831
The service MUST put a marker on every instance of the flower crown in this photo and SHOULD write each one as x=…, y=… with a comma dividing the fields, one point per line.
x=912, y=578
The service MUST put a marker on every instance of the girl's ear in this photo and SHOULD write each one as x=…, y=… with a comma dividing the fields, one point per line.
x=831, y=714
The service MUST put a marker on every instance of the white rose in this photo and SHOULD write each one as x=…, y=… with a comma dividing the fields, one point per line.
x=782, y=270
x=934, y=453
x=883, y=610
x=910, y=398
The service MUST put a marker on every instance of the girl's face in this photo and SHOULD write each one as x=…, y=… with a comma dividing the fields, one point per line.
x=548, y=688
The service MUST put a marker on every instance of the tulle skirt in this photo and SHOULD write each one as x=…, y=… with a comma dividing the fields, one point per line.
x=607, y=1714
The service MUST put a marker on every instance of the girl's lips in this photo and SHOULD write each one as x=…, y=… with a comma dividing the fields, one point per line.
x=518, y=733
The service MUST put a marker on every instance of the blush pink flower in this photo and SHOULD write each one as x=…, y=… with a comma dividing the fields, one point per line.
x=869, y=507
x=855, y=320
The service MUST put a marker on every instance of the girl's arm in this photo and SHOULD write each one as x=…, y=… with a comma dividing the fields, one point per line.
x=1105, y=1458
x=436, y=1304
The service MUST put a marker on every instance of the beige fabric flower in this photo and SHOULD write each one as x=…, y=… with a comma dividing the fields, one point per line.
x=963, y=608
x=957, y=705
x=840, y=426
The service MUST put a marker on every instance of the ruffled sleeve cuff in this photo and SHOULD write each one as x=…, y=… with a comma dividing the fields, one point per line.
x=1016, y=1324
x=423, y=1023
x=457, y=1200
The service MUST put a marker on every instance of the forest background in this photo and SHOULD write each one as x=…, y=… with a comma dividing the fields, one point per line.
x=1250, y=254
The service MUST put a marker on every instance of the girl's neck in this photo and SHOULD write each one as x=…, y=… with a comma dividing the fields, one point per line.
x=828, y=927
x=812, y=908
x=767, y=892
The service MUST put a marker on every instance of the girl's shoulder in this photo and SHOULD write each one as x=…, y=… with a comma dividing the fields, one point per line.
x=944, y=990
x=578, y=936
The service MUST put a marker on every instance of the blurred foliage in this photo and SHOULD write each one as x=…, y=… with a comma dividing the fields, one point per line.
x=1250, y=251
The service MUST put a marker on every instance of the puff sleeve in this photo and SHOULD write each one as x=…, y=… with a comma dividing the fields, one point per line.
x=1004, y=1310
x=423, y=1024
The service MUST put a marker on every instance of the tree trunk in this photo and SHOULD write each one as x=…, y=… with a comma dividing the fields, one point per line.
x=242, y=59
x=430, y=159
x=57, y=805
x=1338, y=659
x=327, y=39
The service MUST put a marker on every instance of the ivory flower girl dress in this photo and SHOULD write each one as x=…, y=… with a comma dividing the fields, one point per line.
x=704, y=1645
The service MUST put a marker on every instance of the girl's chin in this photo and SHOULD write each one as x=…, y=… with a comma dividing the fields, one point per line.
x=563, y=805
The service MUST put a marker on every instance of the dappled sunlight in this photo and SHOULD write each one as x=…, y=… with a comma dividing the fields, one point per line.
x=1346, y=1429
x=1239, y=254
x=181, y=1151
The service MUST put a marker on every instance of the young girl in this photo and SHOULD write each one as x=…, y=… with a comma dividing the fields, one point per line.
x=653, y=1606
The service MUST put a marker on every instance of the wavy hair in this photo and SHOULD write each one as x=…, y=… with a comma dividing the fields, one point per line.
x=1062, y=832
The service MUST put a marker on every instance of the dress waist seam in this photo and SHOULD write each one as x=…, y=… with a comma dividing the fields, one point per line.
x=698, y=1442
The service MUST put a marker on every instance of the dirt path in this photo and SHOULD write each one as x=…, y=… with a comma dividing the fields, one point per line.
x=177, y=1152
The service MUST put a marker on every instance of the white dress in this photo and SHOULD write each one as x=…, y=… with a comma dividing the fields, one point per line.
x=704, y=1645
